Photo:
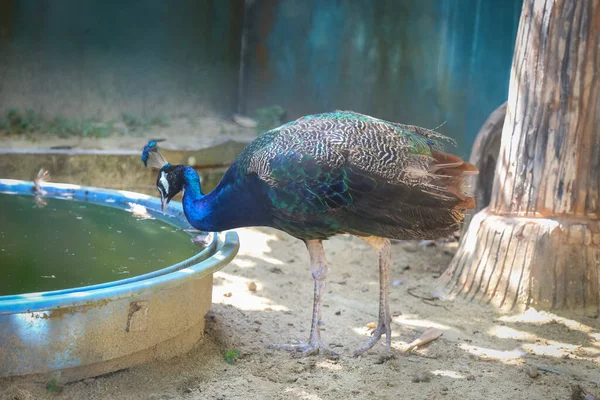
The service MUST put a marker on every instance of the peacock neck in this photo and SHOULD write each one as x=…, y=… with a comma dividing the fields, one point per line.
x=192, y=199
x=230, y=205
x=191, y=185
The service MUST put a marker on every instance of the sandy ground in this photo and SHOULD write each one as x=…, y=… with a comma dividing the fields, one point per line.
x=482, y=354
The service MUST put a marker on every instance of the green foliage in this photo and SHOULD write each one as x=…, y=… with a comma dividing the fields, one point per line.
x=53, y=387
x=94, y=129
x=21, y=122
x=64, y=128
x=134, y=123
x=16, y=121
x=160, y=120
x=268, y=118
x=231, y=355
x=60, y=126
x=141, y=124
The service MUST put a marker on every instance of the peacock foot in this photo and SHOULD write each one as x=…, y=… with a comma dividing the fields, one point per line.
x=382, y=328
x=306, y=349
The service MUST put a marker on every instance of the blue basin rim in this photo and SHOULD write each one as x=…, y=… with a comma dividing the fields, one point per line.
x=214, y=257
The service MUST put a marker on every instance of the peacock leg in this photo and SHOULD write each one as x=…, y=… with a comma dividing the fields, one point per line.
x=318, y=266
x=384, y=249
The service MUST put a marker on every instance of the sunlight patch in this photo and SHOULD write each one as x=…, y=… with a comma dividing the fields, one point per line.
x=449, y=374
x=63, y=186
x=187, y=270
x=423, y=323
x=301, y=394
x=10, y=182
x=329, y=365
x=551, y=348
x=271, y=260
x=503, y=355
x=234, y=291
x=77, y=294
x=134, y=195
x=255, y=243
x=504, y=332
x=243, y=263
x=532, y=316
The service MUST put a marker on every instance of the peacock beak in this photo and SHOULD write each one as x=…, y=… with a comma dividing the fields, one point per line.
x=164, y=202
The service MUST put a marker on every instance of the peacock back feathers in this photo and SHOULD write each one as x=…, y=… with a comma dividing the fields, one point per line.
x=389, y=151
x=347, y=172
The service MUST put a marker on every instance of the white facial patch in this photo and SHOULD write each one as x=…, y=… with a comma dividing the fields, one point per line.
x=164, y=183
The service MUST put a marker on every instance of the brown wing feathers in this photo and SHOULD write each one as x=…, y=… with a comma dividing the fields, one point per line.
x=451, y=171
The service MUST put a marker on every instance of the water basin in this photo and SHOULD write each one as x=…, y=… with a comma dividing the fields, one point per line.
x=98, y=280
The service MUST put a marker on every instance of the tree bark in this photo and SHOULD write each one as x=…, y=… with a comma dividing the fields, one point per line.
x=484, y=155
x=538, y=242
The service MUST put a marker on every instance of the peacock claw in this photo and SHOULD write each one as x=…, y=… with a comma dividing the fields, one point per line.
x=306, y=349
x=382, y=328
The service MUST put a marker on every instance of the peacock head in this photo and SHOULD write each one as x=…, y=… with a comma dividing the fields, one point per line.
x=169, y=182
x=170, y=179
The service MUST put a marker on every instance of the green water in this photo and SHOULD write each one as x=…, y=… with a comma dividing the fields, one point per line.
x=70, y=244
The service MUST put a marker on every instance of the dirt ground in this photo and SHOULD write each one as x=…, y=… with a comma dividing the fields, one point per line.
x=183, y=133
x=482, y=354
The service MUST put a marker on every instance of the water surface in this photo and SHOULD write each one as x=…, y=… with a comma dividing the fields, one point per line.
x=70, y=244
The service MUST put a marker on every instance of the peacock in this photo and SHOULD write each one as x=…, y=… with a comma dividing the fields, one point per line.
x=327, y=174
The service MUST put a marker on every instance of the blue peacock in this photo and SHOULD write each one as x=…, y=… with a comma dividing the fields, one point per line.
x=328, y=174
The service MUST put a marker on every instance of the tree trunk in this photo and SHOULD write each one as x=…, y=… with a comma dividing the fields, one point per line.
x=484, y=155
x=538, y=242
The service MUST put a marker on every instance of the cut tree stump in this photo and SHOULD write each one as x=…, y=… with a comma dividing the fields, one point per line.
x=537, y=244
x=484, y=155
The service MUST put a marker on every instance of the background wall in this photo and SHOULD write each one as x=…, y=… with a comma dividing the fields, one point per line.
x=416, y=61
x=101, y=58
x=422, y=62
